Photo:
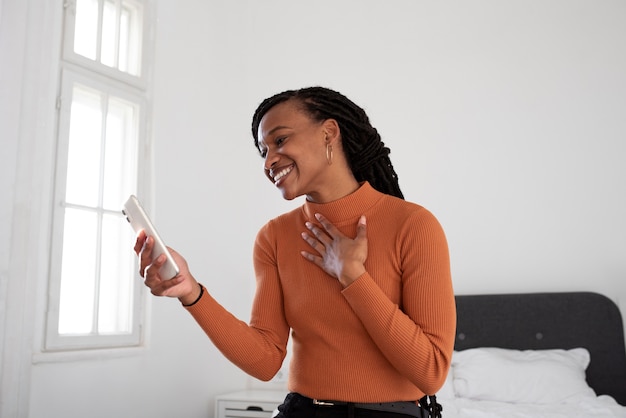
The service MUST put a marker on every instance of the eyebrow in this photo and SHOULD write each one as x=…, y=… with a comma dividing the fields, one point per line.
x=279, y=127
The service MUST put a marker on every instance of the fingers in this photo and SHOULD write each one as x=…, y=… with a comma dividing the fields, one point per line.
x=338, y=255
x=141, y=238
x=162, y=287
x=148, y=265
x=150, y=268
x=318, y=242
x=319, y=239
x=145, y=255
x=154, y=281
x=151, y=271
x=322, y=239
x=312, y=257
x=329, y=227
x=361, y=228
x=332, y=231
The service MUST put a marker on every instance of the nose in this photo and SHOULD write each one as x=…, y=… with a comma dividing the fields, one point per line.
x=271, y=159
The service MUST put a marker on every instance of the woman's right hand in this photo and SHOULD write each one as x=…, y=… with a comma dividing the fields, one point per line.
x=184, y=286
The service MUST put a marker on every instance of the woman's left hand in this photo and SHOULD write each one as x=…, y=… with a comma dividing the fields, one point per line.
x=338, y=255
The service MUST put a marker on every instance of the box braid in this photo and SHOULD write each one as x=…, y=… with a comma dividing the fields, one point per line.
x=367, y=155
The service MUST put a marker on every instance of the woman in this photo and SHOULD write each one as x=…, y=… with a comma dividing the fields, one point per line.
x=359, y=276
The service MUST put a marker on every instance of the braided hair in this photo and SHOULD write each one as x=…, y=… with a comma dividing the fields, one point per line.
x=367, y=155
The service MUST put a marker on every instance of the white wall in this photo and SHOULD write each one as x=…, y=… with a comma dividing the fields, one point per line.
x=506, y=119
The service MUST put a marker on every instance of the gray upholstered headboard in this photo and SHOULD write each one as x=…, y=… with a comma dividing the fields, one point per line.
x=550, y=320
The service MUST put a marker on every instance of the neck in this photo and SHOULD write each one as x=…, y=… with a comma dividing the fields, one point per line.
x=334, y=192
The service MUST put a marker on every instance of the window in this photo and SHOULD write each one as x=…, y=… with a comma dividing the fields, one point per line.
x=108, y=36
x=95, y=294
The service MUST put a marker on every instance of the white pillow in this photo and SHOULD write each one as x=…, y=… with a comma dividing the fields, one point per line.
x=530, y=376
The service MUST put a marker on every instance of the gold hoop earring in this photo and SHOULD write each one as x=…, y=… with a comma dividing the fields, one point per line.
x=329, y=154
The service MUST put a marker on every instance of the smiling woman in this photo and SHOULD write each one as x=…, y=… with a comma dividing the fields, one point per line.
x=359, y=277
x=299, y=156
x=366, y=154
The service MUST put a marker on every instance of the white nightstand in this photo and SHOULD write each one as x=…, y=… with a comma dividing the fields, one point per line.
x=248, y=403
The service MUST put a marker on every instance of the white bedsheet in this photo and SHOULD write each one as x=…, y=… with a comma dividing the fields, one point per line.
x=502, y=383
x=587, y=407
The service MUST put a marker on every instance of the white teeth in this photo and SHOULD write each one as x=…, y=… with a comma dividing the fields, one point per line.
x=282, y=173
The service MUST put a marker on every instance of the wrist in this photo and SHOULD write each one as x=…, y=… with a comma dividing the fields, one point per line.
x=350, y=277
x=192, y=297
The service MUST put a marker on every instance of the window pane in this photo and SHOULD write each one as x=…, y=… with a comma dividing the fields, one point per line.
x=120, y=164
x=131, y=27
x=83, y=165
x=125, y=40
x=109, y=34
x=78, y=272
x=86, y=30
x=120, y=40
x=116, y=277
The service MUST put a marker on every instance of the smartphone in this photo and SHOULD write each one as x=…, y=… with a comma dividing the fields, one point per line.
x=138, y=219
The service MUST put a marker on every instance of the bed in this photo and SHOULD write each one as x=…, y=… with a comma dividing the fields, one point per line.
x=536, y=355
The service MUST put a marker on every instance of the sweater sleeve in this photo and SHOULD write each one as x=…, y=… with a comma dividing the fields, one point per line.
x=260, y=347
x=417, y=337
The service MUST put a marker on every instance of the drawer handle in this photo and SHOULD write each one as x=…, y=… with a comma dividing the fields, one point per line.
x=254, y=408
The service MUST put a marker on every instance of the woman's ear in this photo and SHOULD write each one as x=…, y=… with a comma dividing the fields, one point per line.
x=331, y=131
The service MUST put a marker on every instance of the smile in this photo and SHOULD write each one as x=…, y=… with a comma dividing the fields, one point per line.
x=282, y=173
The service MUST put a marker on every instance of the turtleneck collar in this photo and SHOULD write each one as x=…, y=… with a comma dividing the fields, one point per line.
x=347, y=208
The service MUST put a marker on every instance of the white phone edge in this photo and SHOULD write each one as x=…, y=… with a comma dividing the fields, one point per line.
x=138, y=219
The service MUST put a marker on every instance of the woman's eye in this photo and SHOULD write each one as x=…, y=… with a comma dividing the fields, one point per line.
x=280, y=141
x=263, y=153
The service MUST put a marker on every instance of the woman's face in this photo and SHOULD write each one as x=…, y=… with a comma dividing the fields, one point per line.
x=294, y=148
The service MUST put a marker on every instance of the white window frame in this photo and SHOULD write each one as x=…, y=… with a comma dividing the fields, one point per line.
x=140, y=81
x=92, y=74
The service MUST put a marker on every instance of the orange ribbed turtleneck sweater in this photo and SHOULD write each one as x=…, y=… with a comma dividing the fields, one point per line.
x=387, y=337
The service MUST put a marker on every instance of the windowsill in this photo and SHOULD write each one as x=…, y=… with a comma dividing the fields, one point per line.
x=87, y=354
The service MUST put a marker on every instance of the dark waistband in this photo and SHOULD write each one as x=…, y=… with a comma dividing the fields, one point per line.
x=400, y=407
